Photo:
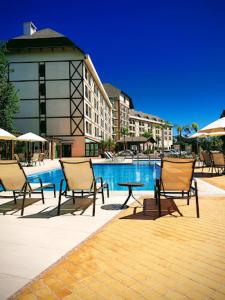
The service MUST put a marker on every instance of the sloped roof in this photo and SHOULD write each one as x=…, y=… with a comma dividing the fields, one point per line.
x=41, y=34
x=144, y=115
x=136, y=139
x=114, y=92
x=42, y=38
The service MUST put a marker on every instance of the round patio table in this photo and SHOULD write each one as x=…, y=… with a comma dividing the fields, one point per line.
x=130, y=185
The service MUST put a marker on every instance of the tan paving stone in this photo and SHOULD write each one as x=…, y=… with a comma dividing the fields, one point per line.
x=135, y=258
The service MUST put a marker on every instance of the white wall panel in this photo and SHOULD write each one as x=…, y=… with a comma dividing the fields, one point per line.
x=57, y=108
x=58, y=126
x=57, y=89
x=27, y=90
x=57, y=70
x=28, y=108
x=24, y=71
x=27, y=125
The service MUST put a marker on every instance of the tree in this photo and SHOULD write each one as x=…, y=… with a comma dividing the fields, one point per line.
x=9, y=100
x=179, y=129
x=124, y=132
x=147, y=134
x=194, y=126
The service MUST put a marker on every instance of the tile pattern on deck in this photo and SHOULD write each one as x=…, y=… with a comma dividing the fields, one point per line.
x=136, y=257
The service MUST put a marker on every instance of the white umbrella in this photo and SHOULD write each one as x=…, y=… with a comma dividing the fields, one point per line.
x=5, y=135
x=216, y=126
x=31, y=137
x=205, y=135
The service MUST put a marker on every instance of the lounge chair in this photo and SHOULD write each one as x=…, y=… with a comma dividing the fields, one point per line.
x=176, y=181
x=218, y=159
x=207, y=161
x=80, y=179
x=14, y=179
x=34, y=158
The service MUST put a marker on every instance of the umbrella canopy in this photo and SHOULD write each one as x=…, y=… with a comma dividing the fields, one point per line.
x=205, y=135
x=216, y=126
x=5, y=135
x=31, y=137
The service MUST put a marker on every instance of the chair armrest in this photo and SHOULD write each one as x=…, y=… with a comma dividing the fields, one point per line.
x=100, y=179
x=38, y=178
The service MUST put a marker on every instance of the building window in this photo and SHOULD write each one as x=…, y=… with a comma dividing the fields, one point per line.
x=42, y=89
x=42, y=70
x=43, y=126
x=42, y=108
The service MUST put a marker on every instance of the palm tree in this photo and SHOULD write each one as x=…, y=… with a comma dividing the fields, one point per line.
x=187, y=130
x=195, y=127
x=179, y=129
x=124, y=133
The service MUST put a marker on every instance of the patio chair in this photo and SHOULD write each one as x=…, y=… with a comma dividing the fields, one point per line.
x=35, y=158
x=218, y=159
x=14, y=179
x=176, y=181
x=207, y=161
x=80, y=179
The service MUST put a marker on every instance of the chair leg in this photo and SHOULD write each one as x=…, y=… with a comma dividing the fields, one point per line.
x=14, y=196
x=42, y=196
x=107, y=188
x=23, y=201
x=73, y=196
x=54, y=190
x=197, y=203
x=103, y=198
x=94, y=200
x=159, y=203
x=188, y=199
x=60, y=196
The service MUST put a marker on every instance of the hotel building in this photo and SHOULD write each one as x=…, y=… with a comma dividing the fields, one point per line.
x=121, y=105
x=140, y=122
x=61, y=95
x=124, y=116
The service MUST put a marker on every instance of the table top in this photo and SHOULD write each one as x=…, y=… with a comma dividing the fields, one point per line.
x=130, y=184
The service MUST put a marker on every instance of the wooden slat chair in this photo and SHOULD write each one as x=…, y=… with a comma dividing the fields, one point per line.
x=79, y=178
x=218, y=159
x=176, y=181
x=14, y=179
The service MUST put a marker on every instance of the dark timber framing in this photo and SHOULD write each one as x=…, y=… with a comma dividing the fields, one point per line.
x=76, y=95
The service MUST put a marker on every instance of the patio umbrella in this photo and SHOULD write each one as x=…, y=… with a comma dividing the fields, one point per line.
x=6, y=136
x=205, y=135
x=216, y=126
x=31, y=137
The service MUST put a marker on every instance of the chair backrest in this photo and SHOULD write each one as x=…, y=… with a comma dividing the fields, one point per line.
x=21, y=156
x=35, y=156
x=176, y=174
x=108, y=156
x=16, y=156
x=12, y=175
x=78, y=173
x=41, y=157
x=201, y=156
x=218, y=158
x=207, y=158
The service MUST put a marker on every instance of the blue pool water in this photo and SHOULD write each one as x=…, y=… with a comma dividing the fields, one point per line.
x=143, y=172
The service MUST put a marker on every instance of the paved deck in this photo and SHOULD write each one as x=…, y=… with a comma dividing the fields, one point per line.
x=131, y=258
x=136, y=257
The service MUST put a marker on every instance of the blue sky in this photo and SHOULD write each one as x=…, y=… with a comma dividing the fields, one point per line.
x=169, y=56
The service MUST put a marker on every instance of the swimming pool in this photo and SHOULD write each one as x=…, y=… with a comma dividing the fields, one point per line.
x=141, y=171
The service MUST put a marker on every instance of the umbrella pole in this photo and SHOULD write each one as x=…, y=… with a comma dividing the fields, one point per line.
x=12, y=149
